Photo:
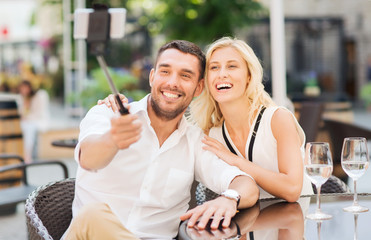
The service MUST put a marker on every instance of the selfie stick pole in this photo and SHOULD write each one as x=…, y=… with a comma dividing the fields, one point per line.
x=103, y=65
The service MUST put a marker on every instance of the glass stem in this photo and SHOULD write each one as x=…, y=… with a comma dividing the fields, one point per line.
x=355, y=201
x=319, y=223
x=355, y=226
x=318, y=198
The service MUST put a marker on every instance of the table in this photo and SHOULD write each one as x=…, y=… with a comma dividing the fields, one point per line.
x=67, y=143
x=276, y=219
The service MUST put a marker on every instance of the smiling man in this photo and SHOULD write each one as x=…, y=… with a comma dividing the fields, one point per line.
x=135, y=171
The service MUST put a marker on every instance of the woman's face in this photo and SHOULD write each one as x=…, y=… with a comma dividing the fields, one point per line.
x=227, y=75
x=24, y=90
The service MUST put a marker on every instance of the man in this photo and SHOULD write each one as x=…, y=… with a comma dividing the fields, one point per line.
x=142, y=165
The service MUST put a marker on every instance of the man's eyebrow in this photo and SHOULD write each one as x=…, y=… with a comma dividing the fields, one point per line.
x=188, y=71
x=183, y=69
x=163, y=65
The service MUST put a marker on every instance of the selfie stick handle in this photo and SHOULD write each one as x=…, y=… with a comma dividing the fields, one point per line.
x=103, y=65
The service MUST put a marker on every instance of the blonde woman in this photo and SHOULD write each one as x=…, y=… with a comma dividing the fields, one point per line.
x=232, y=100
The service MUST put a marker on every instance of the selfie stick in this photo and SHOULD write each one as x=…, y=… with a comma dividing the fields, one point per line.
x=123, y=110
x=97, y=24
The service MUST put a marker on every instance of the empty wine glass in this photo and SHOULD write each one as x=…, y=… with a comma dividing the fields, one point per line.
x=354, y=161
x=318, y=167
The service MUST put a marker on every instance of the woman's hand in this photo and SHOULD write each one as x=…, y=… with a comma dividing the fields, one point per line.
x=220, y=150
x=110, y=102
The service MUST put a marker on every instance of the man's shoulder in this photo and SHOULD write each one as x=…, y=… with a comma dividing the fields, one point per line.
x=194, y=131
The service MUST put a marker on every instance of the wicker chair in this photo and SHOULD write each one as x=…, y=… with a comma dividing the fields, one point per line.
x=332, y=185
x=49, y=210
x=310, y=118
x=11, y=195
x=338, y=131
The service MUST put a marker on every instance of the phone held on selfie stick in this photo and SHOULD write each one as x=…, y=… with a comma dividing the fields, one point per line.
x=97, y=26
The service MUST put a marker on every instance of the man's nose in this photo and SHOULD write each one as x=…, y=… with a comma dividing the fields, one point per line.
x=173, y=80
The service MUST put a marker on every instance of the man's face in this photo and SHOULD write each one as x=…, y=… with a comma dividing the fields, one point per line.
x=174, y=82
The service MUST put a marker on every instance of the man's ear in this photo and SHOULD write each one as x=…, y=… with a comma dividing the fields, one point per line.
x=199, y=88
x=151, y=76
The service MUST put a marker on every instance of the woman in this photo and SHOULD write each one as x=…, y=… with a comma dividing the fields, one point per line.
x=232, y=100
x=233, y=97
x=35, y=116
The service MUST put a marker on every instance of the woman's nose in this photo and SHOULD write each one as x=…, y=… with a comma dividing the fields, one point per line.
x=223, y=72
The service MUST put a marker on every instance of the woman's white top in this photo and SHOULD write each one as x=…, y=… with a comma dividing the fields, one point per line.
x=265, y=147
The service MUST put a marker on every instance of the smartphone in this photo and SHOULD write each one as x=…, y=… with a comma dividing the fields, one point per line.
x=117, y=21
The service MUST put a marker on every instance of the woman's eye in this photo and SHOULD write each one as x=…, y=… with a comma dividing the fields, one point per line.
x=232, y=66
x=213, y=67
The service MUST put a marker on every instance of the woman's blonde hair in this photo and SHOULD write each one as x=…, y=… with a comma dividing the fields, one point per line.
x=205, y=111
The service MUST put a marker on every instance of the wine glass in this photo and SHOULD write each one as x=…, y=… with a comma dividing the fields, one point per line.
x=354, y=161
x=318, y=168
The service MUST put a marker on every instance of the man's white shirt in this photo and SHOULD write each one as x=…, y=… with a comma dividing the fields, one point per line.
x=148, y=186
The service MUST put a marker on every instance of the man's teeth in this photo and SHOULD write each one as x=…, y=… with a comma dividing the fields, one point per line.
x=223, y=86
x=170, y=95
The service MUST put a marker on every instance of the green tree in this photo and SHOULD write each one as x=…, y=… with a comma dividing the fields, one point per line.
x=203, y=21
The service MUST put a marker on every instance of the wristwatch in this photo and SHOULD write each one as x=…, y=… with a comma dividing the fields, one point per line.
x=232, y=194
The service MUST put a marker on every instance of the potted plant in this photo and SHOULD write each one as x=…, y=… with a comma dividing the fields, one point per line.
x=365, y=95
x=98, y=88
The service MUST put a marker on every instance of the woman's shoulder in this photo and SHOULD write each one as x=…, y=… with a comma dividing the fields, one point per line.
x=215, y=132
x=279, y=113
x=41, y=93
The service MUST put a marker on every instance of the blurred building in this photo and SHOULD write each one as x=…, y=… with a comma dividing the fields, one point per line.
x=27, y=36
x=327, y=46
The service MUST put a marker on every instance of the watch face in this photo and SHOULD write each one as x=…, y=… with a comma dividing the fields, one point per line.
x=232, y=194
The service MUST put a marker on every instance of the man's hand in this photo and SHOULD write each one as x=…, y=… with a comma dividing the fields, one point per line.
x=217, y=209
x=125, y=130
x=97, y=151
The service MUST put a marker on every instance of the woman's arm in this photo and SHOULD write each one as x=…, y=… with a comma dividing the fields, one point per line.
x=285, y=184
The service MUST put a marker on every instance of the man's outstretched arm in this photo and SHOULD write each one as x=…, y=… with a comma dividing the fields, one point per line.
x=97, y=151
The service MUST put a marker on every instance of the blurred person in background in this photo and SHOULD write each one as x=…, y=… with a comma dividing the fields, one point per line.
x=35, y=116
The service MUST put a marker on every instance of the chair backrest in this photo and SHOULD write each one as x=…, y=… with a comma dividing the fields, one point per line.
x=333, y=185
x=13, y=177
x=203, y=194
x=340, y=130
x=310, y=118
x=49, y=210
x=11, y=139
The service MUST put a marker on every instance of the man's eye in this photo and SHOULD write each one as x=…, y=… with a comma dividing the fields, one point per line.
x=186, y=76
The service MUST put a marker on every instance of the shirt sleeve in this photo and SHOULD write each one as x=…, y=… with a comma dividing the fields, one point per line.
x=97, y=121
x=213, y=172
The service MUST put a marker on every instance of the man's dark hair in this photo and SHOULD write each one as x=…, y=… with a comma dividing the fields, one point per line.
x=186, y=47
